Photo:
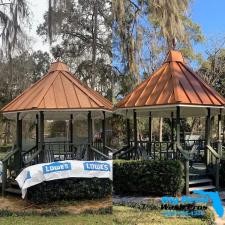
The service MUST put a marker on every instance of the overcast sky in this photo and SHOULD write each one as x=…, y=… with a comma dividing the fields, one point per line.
x=38, y=8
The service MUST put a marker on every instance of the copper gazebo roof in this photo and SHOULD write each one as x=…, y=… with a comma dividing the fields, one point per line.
x=58, y=90
x=174, y=83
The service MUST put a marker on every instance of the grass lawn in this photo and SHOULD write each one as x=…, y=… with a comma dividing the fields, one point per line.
x=121, y=216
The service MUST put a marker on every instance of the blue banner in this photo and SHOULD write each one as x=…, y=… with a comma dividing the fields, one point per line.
x=56, y=167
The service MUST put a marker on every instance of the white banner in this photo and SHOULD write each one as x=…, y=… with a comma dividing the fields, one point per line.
x=1, y=172
x=36, y=174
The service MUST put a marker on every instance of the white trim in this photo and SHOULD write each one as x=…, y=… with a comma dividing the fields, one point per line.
x=165, y=110
x=56, y=110
x=169, y=107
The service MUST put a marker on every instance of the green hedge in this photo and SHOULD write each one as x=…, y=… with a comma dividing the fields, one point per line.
x=148, y=177
x=70, y=189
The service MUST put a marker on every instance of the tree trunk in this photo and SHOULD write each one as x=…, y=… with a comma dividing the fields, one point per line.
x=94, y=42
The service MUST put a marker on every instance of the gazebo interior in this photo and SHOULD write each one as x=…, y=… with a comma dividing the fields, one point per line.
x=175, y=92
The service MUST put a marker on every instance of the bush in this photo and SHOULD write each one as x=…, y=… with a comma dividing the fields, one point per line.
x=148, y=177
x=70, y=189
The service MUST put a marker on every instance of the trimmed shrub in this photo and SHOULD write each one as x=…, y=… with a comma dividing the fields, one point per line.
x=70, y=189
x=148, y=177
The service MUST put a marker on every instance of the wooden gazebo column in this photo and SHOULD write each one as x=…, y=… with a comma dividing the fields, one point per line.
x=90, y=154
x=178, y=125
x=128, y=132
x=71, y=133
x=219, y=150
x=103, y=135
x=41, y=137
x=186, y=163
x=172, y=133
x=219, y=133
x=71, y=128
x=150, y=132
x=207, y=134
x=18, y=157
x=37, y=130
x=135, y=129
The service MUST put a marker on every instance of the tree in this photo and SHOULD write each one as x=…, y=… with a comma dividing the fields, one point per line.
x=157, y=24
x=212, y=70
x=12, y=14
x=160, y=25
x=27, y=68
x=85, y=33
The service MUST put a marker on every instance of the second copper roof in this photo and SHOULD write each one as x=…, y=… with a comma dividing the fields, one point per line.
x=59, y=89
x=173, y=83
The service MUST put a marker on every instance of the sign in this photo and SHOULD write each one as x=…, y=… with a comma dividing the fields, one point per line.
x=192, y=206
x=96, y=166
x=56, y=167
x=36, y=174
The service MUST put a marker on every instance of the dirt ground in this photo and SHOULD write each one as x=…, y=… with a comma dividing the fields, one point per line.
x=16, y=204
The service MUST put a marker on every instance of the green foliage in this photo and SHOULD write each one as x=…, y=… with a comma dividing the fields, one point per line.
x=13, y=17
x=70, y=189
x=143, y=45
x=23, y=70
x=85, y=31
x=148, y=177
x=57, y=129
x=212, y=70
x=119, y=131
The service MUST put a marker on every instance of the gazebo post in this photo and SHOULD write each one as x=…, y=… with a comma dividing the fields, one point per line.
x=178, y=125
x=41, y=136
x=150, y=132
x=219, y=149
x=135, y=129
x=71, y=132
x=18, y=158
x=178, y=143
x=223, y=129
x=103, y=134
x=128, y=132
x=172, y=132
x=71, y=128
x=90, y=155
x=219, y=133
x=37, y=130
x=207, y=134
